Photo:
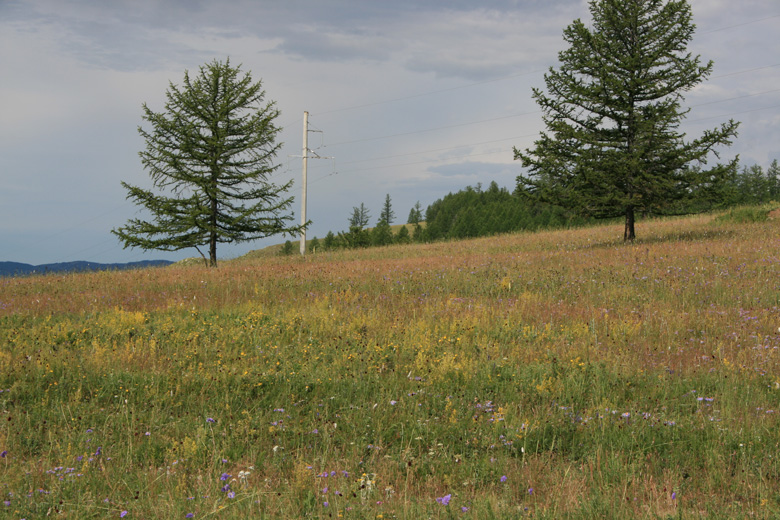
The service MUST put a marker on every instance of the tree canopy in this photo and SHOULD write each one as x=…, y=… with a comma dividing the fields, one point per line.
x=212, y=151
x=613, y=110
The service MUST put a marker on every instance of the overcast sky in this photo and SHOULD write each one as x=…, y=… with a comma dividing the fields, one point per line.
x=413, y=98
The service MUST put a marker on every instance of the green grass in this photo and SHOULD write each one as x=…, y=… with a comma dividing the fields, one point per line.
x=602, y=380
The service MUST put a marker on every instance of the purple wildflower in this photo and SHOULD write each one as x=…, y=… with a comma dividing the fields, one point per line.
x=464, y=509
x=189, y=515
x=231, y=495
x=224, y=476
x=503, y=478
x=445, y=499
x=3, y=454
x=123, y=514
x=209, y=419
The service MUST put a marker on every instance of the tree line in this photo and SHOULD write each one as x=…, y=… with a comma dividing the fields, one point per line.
x=477, y=212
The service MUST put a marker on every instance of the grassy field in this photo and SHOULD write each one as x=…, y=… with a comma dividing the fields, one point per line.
x=549, y=375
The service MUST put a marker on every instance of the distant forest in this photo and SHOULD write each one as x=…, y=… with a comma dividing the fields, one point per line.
x=476, y=212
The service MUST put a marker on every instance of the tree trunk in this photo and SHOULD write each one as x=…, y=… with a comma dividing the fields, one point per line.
x=213, y=249
x=628, y=234
x=213, y=234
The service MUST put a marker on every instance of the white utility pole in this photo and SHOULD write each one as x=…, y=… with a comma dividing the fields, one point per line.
x=303, y=184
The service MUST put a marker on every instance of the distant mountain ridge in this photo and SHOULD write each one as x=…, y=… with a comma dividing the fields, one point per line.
x=20, y=269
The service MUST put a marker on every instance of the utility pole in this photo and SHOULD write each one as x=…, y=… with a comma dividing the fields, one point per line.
x=303, y=184
x=305, y=157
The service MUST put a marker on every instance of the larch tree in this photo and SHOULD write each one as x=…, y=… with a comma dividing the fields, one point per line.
x=210, y=153
x=359, y=217
x=387, y=214
x=613, y=146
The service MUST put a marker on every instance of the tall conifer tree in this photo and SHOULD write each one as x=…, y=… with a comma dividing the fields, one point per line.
x=613, y=145
x=212, y=148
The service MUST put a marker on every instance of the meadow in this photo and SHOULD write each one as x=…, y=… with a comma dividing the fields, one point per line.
x=559, y=374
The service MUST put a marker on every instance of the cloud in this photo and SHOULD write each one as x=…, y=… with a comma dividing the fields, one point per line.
x=330, y=44
x=474, y=168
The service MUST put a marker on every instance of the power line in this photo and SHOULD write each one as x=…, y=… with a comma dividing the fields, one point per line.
x=741, y=24
x=735, y=98
x=745, y=71
x=438, y=128
x=735, y=113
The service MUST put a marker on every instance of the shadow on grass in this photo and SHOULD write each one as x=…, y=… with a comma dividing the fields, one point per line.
x=697, y=235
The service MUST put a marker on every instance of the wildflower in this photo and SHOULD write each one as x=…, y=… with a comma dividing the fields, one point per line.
x=393, y=402
x=674, y=495
x=503, y=478
x=98, y=451
x=464, y=509
x=3, y=454
x=530, y=491
x=325, y=490
x=147, y=434
x=444, y=500
x=123, y=514
x=231, y=495
x=209, y=419
x=189, y=515
x=224, y=476
x=325, y=504
x=226, y=488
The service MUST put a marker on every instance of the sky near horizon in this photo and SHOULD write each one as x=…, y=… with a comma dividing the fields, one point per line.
x=414, y=99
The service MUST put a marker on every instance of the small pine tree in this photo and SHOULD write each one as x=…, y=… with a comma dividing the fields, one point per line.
x=418, y=235
x=381, y=235
x=359, y=217
x=415, y=214
x=314, y=245
x=387, y=213
x=403, y=237
x=329, y=242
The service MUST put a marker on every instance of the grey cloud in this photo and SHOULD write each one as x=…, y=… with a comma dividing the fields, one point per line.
x=473, y=168
x=333, y=45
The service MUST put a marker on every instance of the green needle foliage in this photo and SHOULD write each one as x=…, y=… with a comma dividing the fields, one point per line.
x=613, y=111
x=212, y=151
